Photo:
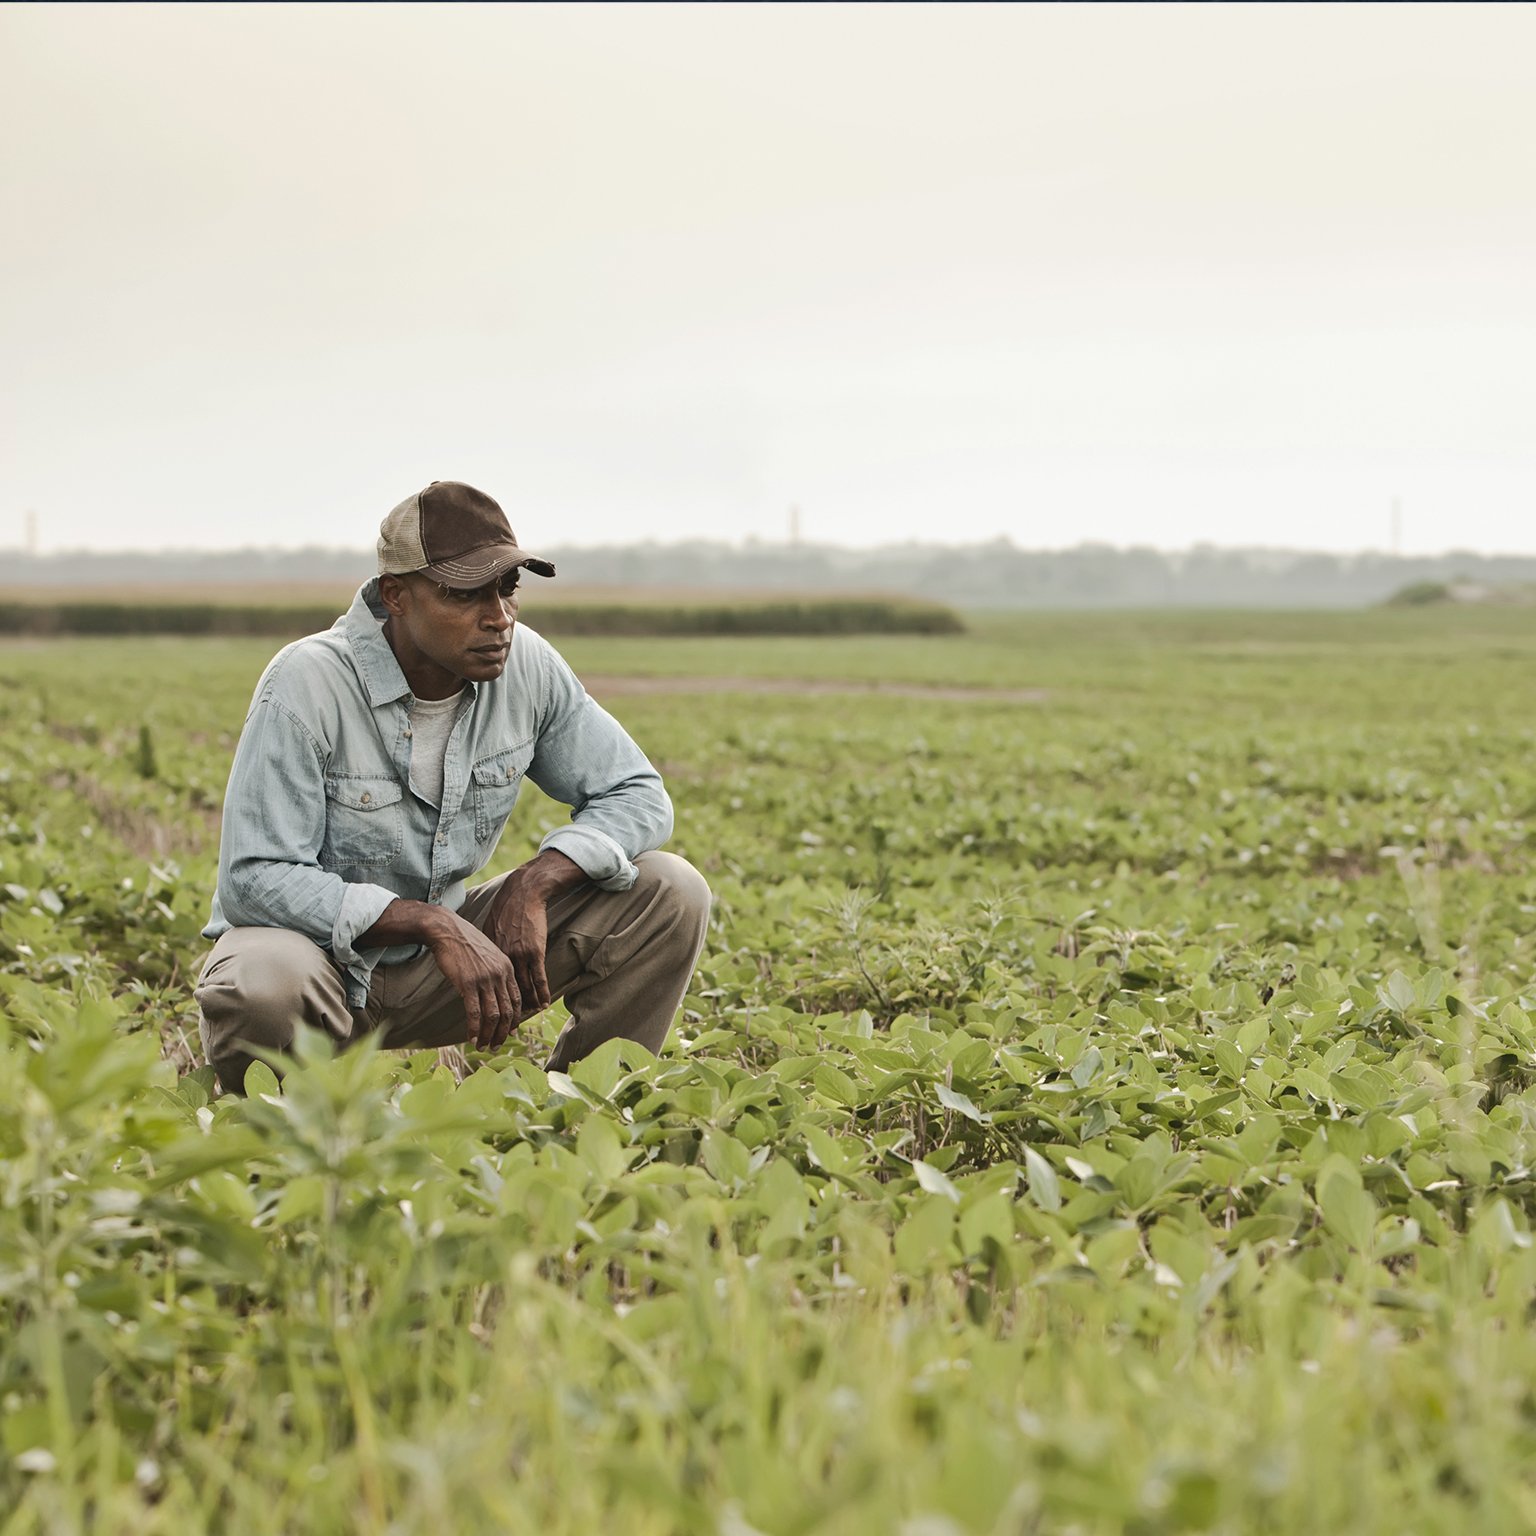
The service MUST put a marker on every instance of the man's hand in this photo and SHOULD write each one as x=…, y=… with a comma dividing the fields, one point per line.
x=477, y=970
x=519, y=927
x=483, y=977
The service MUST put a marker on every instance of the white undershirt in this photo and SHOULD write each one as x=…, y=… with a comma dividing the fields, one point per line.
x=432, y=722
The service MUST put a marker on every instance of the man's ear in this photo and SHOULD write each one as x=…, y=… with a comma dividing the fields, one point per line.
x=392, y=593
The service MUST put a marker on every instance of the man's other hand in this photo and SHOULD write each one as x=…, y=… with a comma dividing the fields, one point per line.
x=519, y=927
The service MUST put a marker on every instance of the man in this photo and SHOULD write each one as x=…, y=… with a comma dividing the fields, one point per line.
x=378, y=765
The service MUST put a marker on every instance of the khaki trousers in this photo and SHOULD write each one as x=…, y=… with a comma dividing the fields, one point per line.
x=622, y=961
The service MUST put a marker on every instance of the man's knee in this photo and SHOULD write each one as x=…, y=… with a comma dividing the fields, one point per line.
x=632, y=985
x=257, y=986
x=682, y=895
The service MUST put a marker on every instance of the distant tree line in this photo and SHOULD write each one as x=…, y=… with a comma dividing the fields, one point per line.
x=850, y=615
x=995, y=575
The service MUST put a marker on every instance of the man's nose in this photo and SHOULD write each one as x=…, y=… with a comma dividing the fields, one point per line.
x=494, y=615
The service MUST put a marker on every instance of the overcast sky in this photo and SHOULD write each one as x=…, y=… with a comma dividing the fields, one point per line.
x=1142, y=275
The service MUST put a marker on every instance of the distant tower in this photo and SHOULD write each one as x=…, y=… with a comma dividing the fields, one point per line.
x=794, y=525
x=1397, y=525
x=31, y=524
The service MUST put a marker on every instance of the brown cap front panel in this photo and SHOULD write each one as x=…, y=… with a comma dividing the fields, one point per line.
x=466, y=536
x=456, y=518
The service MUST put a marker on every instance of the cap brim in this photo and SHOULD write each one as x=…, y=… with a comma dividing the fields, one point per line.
x=482, y=565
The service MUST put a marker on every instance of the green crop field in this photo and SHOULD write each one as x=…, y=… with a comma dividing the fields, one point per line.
x=1108, y=1114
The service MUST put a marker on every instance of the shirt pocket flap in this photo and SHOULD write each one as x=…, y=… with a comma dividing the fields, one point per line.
x=501, y=772
x=363, y=794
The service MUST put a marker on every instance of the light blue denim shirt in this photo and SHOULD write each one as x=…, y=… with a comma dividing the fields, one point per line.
x=322, y=829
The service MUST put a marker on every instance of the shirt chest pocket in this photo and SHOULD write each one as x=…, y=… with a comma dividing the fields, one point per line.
x=364, y=823
x=496, y=783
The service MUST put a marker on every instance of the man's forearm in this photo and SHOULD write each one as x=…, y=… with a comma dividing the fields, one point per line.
x=540, y=880
x=407, y=922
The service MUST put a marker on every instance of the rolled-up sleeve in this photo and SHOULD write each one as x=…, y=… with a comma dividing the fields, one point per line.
x=269, y=847
x=585, y=758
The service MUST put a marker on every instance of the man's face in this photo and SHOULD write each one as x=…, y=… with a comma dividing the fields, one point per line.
x=468, y=634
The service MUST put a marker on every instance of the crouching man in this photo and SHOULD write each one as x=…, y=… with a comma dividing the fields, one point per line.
x=376, y=770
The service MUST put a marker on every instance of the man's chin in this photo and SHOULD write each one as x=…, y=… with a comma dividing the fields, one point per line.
x=486, y=666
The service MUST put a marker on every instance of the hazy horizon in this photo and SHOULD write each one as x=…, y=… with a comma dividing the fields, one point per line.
x=992, y=575
x=1144, y=276
x=753, y=541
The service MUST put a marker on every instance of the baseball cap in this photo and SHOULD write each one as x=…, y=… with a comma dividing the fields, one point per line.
x=454, y=534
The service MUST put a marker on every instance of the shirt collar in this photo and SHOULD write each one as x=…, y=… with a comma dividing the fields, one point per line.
x=363, y=626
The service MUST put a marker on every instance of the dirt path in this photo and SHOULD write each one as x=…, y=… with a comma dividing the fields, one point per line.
x=602, y=686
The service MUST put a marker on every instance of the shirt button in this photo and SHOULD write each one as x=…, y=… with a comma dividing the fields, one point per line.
x=442, y=837
x=365, y=798
x=407, y=733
